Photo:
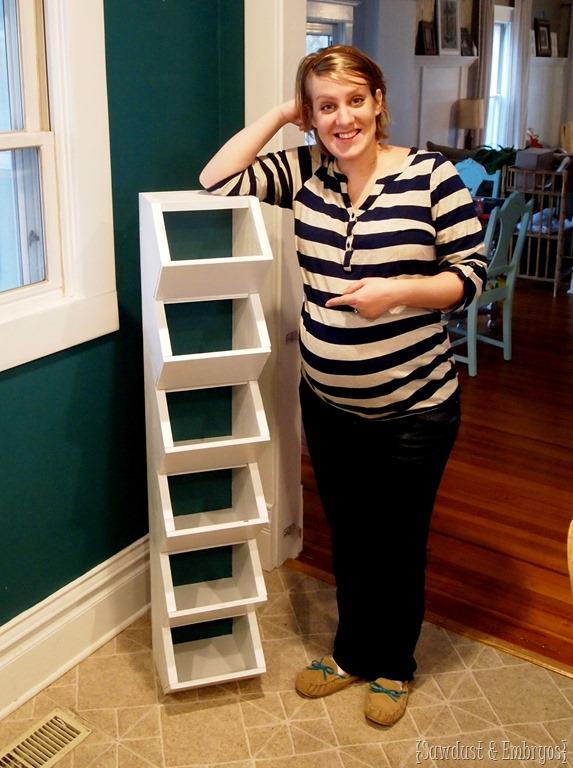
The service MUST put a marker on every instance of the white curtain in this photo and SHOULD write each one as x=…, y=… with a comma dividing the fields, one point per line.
x=520, y=47
x=566, y=131
x=570, y=78
x=483, y=79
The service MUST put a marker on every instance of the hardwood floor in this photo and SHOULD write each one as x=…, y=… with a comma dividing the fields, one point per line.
x=497, y=549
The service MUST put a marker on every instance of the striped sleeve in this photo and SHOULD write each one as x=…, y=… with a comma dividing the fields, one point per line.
x=459, y=234
x=274, y=178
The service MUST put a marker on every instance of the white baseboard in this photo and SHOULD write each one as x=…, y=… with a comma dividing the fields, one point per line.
x=44, y=642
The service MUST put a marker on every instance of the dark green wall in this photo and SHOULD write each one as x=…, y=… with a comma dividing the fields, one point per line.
x=72, y=453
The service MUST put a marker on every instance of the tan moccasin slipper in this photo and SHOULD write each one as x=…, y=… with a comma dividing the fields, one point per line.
x=322, y=679
x=386, y=701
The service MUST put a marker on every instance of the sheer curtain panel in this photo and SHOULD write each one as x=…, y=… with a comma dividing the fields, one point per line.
x=520, y=56
x=482, y=85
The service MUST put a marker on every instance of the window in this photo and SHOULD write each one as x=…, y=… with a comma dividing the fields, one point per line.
x=496, y=131
x=320, y=36
x=57, y=280
x=328, y=22
x=25, y=152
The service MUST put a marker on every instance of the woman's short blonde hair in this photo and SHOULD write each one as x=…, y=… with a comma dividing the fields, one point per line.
x=345, y=63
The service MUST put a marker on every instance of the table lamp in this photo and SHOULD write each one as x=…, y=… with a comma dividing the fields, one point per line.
x=469, y=117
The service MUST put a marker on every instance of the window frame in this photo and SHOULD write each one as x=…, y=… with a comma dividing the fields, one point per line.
x=78, y=301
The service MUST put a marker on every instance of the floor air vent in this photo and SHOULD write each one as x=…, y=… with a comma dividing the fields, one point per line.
x=47, y=742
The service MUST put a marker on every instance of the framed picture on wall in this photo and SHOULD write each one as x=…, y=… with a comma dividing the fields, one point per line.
x=448, y=26
x=466, y=42
x=426, y=40
x=542, y=38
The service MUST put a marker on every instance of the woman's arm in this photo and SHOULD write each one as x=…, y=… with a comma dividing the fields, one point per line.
x=242, y=148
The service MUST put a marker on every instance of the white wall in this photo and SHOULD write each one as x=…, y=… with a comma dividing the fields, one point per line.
x=398, y=28
x=547, y=97
x=387, y=32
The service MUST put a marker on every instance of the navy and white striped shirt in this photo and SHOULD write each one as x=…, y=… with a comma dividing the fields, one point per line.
x=417, y=222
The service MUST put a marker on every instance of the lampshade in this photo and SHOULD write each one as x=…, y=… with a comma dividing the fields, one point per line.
x=470, y=114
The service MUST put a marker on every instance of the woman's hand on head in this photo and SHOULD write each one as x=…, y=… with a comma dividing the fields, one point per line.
x=370, y=297
x=290, y=114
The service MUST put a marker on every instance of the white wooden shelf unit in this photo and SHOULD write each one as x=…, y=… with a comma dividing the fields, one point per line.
x=205, y=343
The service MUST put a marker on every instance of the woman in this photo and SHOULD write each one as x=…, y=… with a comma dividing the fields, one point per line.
x=387, y=239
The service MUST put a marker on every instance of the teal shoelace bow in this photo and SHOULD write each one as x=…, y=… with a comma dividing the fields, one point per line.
x=317, y=664
x=394, y=695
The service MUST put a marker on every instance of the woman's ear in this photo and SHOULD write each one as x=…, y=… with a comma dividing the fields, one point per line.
x=308, y=118
x=379, y=101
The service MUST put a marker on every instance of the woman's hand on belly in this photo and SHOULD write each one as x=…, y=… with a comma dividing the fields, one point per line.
x=373, y=296
x=369, y=297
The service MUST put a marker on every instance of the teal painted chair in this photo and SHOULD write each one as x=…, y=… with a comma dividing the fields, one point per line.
x=473, y=174
x=501, y=276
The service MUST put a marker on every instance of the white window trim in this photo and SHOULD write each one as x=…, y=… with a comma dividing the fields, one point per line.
x=503, y=13
x=39, y=320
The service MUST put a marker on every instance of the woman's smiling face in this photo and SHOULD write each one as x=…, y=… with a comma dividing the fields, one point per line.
x=344, y=116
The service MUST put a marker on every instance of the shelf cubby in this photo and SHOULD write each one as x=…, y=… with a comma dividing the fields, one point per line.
x=211, y=583
x=211, y=508
x=209, y=428
x=206, y=343
x=230, y=649
x=190, y=256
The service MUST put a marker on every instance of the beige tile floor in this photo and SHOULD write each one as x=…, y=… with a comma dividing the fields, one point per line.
x=494, y=709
